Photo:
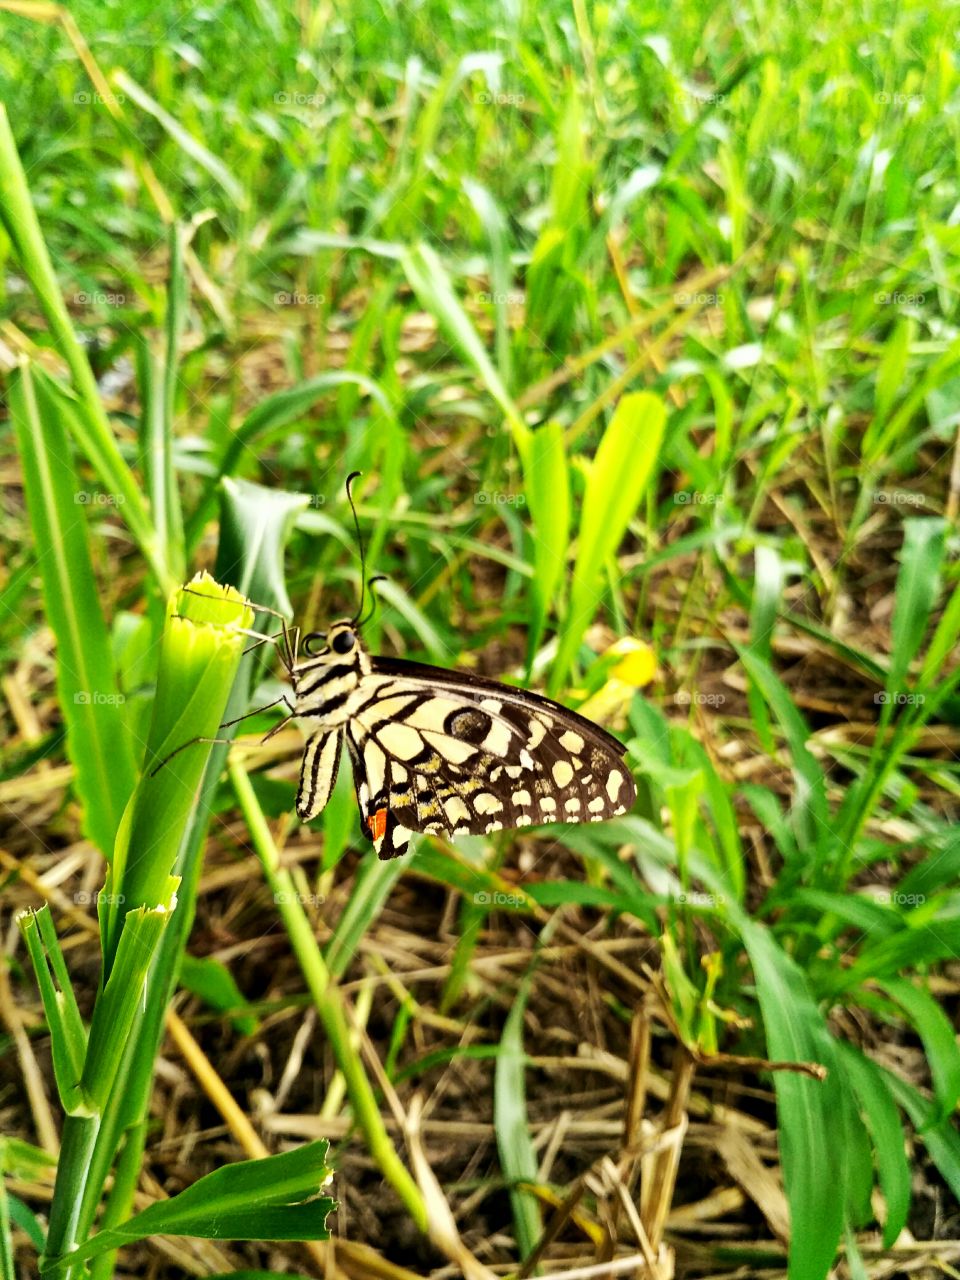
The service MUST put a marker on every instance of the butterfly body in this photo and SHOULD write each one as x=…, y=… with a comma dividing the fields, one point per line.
x=445, y=752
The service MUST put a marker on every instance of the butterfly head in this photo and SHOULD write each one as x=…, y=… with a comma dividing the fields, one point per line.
x=338, y=645
x=338, y=650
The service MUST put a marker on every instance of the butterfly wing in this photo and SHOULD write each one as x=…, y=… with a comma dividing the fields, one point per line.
x=318, y=772
x=440, y=752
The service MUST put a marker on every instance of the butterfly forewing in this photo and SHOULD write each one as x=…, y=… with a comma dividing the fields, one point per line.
x=435, y=751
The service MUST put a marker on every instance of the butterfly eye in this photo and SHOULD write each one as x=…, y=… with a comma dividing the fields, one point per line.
x=343, y=642
x=311, y=641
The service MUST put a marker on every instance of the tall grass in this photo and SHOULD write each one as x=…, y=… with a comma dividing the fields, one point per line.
x=638, y=325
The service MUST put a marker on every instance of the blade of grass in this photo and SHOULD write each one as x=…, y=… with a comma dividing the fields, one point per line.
x=19, y=219
x=430, y=282
x=617, y=480
x=97, y=737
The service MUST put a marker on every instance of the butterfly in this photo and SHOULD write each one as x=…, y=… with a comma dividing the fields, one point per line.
x=436, y=751
x=444, y=752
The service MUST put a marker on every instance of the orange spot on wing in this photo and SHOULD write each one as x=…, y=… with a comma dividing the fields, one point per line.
x=378, y=824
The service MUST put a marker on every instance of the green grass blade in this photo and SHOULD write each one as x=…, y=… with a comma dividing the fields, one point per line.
x=883, y=1121
x=270, y=1199
x=939, y=1038
x=547, y=483
x=616, y=482
x=517, y=1156
x=807, y=1110
x=917, y=592
x=19, y=220
x=430, y=282
x=97, y=737
x=188, y=144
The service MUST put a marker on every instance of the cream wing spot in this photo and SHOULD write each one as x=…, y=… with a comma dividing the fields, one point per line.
x=487, y=803
x=571, y=741
x=596, y=804
x=548, y=804
x=562, y=772
x=456, y=811
x=521, y=797
x=614, y=783
x=497, y=741
x=375, y=763
x=451, y=749
x=400, y=740
x=572, y=805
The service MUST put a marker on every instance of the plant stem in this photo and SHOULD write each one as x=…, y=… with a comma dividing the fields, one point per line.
x=76, y=1152
x=327, y=1000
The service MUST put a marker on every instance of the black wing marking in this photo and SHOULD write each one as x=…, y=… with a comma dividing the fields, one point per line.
x=318, y=772
x=441, y=752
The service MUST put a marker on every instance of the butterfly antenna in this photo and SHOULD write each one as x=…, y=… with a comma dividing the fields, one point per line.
x=377, y=577
x=363, y=558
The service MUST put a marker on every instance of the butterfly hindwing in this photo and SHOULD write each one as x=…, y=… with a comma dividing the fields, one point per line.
x=457, y=754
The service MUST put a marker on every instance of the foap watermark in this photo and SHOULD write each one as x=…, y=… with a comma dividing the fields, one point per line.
x=685, y=698
x=317, y=500
x=294, y=99
x=699, y=299
x=702, y=97
x=304, y=899
x=899, y=699
x=87, y=498
x=87, y=98
x=83, y=898
x=488, y=99
x=97, y=698
x=100, y=298
x=495, y=498
x=895, y=898
x=512, y=298
x=297, y=299
x=896, y=298
x=498, y=899
x=693, y=898
x=899, y=99
x=694, y=498
x=900, y=499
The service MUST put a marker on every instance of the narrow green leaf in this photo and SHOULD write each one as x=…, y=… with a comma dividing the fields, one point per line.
x=939, y=1136
x=90, y=423
x=807, y=1109
x=185, y=140
x=275, y=1198
x=547, y=483
x=117, y=1003
x=212, y=981
x=937, y=1033
x=617, y=480
x=517, y=1156
x=430, y=282
x=883, y=1120
x=809, y=809
x=918, y=588
x=90, y=700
